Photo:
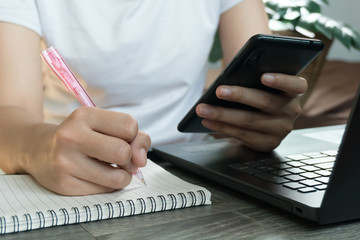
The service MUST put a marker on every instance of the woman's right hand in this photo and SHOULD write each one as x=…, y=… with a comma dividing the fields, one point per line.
x=74, y=158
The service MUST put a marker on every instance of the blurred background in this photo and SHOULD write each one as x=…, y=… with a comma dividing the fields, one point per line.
x=346, y=11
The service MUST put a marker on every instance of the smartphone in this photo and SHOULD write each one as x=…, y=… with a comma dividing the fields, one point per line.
x=260, y=54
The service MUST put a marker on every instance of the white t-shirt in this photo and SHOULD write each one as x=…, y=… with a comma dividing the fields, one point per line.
x=145, y=58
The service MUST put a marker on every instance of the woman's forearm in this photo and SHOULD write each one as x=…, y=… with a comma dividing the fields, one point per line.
x=21, y=139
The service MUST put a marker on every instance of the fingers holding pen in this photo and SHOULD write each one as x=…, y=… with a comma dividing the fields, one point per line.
x=128, y=141
x=91, y=148
x=108, y=149
x=105, y=135
x=120, y=125
x=140, y=147
x=76, y=174
x=91, y=138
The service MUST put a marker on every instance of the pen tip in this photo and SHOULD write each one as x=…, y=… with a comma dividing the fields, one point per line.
x=143, y=181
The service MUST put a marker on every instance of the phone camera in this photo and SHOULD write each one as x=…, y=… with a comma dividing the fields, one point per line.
x=254, y=57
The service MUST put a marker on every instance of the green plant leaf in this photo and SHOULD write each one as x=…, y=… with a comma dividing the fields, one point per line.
x=321, y=3
x=273, y=5
x=305, y=32
x=356, y=40
x=305, y=17
x=292, y=14
x=308, y=21
x=276, y=25
x=338, y=30
x=281, y=4
x=312, y=6
x=349, y=33
x=326, y=26
x=279, y=14
x=341, y=35
x=328, y=33
x=325, y=2
x=270, y=12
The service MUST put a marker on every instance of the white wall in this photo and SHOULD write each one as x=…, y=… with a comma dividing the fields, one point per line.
x=346, y=11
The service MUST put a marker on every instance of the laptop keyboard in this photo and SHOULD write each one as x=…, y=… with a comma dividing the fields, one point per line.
x=304, y=173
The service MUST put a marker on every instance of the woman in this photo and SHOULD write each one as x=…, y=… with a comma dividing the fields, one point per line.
x=144, y=64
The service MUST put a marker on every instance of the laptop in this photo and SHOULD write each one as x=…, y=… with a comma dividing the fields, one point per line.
x=314, y=173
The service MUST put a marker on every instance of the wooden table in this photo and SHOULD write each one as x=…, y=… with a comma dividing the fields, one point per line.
x=232, y=215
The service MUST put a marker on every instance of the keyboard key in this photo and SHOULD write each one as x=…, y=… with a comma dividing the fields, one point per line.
x=297, y=157
x=330, y=152
x=281, y=166
x=315, y=155
x=270, y=161
x=324, y=173
x=266, y=168
x=307, y=190
x=254, y=164
x=280, y=172
x=294, y=185
x=324, y=180
x=310, y=183
x=295, y=170
x=295, y=178
x=271, y=178
x=295, y=163
x=310, y=175
x=327, y=166
x=321, y=187
x=310, y=168
x=313, y=161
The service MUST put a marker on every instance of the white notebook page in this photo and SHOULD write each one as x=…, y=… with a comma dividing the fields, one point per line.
x=25, y=205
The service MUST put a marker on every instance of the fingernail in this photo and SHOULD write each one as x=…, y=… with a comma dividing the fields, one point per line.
x=225, y=92
x=204, y=111
x=268, y=78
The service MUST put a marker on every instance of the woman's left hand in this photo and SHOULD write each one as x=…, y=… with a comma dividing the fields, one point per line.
x=260, y=130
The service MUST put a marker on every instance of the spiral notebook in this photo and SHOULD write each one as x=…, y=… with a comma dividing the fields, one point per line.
x=25, y=205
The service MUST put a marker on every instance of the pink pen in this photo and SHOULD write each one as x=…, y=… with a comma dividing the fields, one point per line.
x=61, y=69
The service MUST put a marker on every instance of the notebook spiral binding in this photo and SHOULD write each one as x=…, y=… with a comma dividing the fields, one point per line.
x=99, y=211
x=108, y=207
x=53, y=217
x=77, y=214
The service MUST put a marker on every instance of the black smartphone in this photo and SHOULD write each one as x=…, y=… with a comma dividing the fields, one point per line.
x=260, y=54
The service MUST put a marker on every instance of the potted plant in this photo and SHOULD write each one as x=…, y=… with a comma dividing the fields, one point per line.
x=303, y=18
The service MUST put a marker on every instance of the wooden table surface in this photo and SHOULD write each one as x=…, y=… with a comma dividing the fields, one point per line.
x=232, y=215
